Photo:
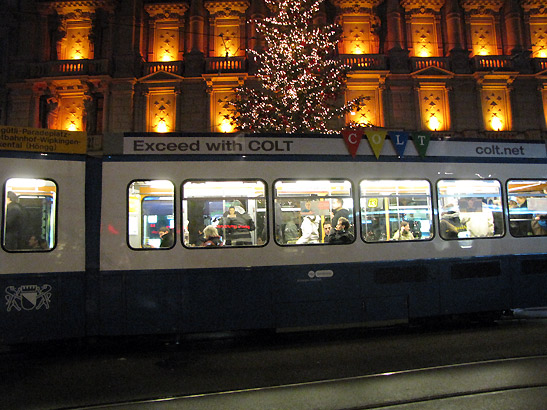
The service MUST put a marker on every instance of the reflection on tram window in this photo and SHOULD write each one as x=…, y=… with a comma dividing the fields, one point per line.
x=29, y=214
x=236, y=209
x=306, y=211
x=396, y=210
x=470, y=209
x=527, y=203
x=151, y=223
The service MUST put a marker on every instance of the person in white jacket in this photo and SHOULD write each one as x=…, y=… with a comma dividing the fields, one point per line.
x=479, y=224
x=310, y=229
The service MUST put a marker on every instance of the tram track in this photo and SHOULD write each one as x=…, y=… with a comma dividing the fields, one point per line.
x=494, y=382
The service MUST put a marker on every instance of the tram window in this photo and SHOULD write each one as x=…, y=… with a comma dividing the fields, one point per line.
x=29, y=214
x=470, y=208
x=151, y=214
x=304, y=209
x=233, y=210
x=527, y=203
x=395, y=210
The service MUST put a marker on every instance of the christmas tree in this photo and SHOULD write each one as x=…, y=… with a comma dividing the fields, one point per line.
x=300, y=82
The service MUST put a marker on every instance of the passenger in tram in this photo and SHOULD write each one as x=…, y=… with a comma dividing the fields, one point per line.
x=237, y=225
x=15, y=223
x=450, y=223
x=495, y=207
x=212, y=238
x=167, y=237
x=291, y=233
x=479, y=219
x=403, y=233
x=326, y=231
x=338, y=211
x=341, y=233
x=37, y=243
x=539, y=225
x=310, y=229
x=520, y=219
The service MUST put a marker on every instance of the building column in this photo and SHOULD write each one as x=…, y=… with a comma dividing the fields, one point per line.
x=395, y=29
x=513, y=28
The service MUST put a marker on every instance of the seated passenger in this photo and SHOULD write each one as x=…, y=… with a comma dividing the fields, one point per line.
x=403, y=233
x=341, y=233
x=520, y=219
x=166, y=236
x=310, y=229
x=212, y=238
x=539, y=225
x=327, y=227
x=450, y=223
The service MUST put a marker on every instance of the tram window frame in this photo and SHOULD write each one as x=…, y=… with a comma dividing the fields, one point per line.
x=141, y=214
x=516, y=230
x=50, y=238
x=322, y=235
x=227, y=202
x=389, y=235
x=471, y=205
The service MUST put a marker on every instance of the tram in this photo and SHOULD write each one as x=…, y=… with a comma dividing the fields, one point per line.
x=456, y=229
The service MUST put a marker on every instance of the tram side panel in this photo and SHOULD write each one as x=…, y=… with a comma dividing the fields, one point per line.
x=44, y=289
x=185, y=289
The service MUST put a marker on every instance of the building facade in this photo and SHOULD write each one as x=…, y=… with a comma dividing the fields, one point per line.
x=461, y=68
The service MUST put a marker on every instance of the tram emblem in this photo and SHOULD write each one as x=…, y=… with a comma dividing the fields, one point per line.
x=28, y=297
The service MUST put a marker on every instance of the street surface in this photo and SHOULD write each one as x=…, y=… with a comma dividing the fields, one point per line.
x=75, y=374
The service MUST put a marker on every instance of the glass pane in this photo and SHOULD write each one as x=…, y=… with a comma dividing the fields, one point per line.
x=308, y=212
x=224, y=213
x=395, y=210
x=470, y=209
x=527, y=203
x=29, y=218
x=151, y=214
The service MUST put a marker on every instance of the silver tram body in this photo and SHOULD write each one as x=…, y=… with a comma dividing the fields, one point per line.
x=103, y=281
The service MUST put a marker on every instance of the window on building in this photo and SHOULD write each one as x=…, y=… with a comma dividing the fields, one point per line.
x=434, y=107
x=29, y=214
x=76, y=45
x=151, y=214
x=306, y=211
x=496, y=108
x=161, y=110
x=527, y=204
x=395, y=210
x=470, y=208
x=483, y=36
x=232, y=211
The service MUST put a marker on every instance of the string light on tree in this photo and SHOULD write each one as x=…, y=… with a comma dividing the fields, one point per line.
x=300, y=82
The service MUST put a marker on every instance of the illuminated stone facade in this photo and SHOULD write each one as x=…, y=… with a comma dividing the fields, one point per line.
x=464, y=68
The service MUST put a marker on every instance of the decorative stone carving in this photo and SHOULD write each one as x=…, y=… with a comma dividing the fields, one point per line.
x=166, y=11
x=482, y=7
x=534, y=7
x=79, y=10
x=356, y=6
x=422, y=6
x=226, y=9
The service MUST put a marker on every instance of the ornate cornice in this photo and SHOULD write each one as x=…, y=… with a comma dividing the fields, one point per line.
x=77, y=10
x=422, y=6
x=534, y=7
x=166, y=11
x=356, y=6
x=482, y=7
x=226, y=9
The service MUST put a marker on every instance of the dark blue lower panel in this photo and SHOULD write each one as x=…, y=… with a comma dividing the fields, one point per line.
x=529, y=281
x=207, y=300
x=42, y=307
